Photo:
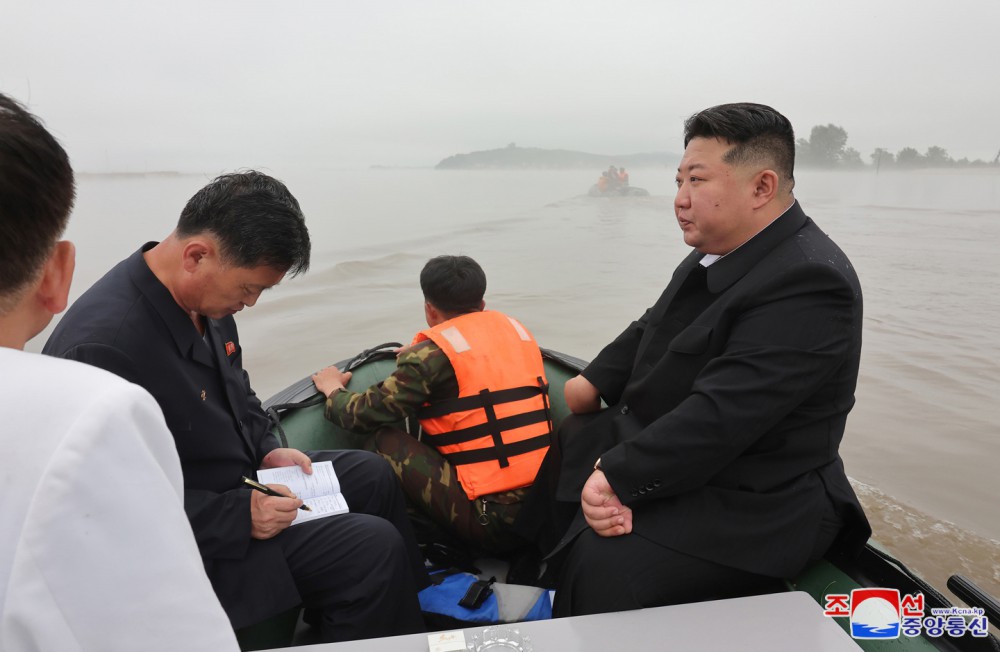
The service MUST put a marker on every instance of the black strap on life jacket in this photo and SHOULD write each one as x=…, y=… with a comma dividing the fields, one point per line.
x=493, y=427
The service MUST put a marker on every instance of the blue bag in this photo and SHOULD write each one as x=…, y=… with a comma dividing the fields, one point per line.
x=508, y=603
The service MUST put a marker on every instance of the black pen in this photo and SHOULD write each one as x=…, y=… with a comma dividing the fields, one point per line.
x=264, y=489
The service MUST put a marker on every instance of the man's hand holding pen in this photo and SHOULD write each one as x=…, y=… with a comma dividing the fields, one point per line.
x=273, y=507
x=269, y=515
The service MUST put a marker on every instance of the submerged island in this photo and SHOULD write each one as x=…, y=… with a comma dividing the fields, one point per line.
x=514, y=157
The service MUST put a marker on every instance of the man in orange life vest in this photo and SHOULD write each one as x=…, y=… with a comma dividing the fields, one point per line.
x=475, y=381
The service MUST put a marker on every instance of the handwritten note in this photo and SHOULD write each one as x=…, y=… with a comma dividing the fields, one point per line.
x=321, y=490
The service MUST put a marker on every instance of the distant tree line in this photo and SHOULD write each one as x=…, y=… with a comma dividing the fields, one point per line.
x=827, y=147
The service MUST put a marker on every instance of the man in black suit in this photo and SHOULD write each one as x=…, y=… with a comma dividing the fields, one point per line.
x=163, y=319
x=715, y=469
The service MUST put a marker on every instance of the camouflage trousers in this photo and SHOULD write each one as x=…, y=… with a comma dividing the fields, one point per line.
x=431, y=485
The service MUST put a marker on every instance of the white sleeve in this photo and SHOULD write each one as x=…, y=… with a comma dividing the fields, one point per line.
x=107, y=561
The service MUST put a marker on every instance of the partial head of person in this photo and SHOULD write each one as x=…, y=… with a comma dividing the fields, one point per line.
x=236, y=237
x=452, y=286
x=37, y=191
x=736, y=175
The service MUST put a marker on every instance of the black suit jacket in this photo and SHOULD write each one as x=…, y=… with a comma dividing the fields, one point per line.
x=129, y=324
x=728, y=401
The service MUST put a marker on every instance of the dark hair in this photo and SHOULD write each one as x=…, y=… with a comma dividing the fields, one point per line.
x=257, y=221
x=453, y=284
x=758, y=133
x=36, y=197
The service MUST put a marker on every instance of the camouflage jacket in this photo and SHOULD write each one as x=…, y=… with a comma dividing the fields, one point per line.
x=423, y=373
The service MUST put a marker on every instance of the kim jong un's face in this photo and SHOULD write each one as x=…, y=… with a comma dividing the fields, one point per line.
x=714, y=198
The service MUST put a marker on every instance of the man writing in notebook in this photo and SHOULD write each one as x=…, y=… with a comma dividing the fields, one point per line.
x=163, y=318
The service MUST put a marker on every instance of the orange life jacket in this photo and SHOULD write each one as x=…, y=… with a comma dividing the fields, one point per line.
x=496, y=432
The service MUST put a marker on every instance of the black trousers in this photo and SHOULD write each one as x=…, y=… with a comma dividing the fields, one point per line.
x=361, y=571
x=604, y=574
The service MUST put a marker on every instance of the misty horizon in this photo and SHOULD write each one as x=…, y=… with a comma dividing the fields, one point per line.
x=224, y=85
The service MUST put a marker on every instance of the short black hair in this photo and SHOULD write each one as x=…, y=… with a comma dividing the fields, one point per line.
x=256, y=219
x=758, y=133
x=453, y=284
x=37, y=191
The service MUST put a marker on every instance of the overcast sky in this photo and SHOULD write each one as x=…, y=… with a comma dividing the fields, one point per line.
x=203, y=85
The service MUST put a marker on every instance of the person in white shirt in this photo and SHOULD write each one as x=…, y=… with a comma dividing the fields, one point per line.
x=96, y=552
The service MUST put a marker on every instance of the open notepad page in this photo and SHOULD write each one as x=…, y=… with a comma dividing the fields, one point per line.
x=321, y=490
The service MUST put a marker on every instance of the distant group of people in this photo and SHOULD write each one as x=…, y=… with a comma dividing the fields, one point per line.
x=701, y=460
x=612, y=179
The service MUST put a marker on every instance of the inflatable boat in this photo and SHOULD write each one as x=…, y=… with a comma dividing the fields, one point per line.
x=297, y=414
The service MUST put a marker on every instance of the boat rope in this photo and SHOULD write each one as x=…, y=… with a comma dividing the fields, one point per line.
x=275, y=417
x=381, y=350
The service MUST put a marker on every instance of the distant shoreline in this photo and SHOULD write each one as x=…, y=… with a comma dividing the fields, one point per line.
x=535, y=158
x=597, y=167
